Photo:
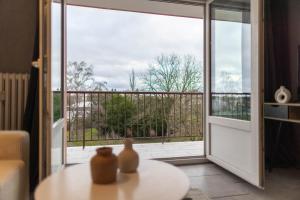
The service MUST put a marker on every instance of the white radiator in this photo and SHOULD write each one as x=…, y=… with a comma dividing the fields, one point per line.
x=13, y=95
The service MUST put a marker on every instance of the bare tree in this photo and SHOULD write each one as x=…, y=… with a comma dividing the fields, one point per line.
x=190, y=77
x=162, y=75
x=173, y=73
x=132, y=80
x=80, y=77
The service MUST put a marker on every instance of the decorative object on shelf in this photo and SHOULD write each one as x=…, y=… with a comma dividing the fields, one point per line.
x=282, y=95
x=128, y=159
x=104, y=166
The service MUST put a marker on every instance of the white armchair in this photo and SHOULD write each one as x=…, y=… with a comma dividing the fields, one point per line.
x=14, y=165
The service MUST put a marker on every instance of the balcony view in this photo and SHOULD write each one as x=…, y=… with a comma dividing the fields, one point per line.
x=134, y=81
x=142, y=80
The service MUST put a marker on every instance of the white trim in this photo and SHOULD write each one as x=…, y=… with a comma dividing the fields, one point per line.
x=59, y=124
x=194, y=9
x=232, y=123
x=144, y=6
x=185, y=160
x=250, y=177
x=207, y=78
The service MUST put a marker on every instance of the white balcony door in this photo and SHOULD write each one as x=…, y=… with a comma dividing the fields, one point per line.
x=57, y=85
x=234, y=88
x=52, y=49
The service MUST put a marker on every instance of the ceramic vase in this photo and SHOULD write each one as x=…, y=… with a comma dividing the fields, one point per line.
x=128, y=159
x=104, y=166
x=282, y=95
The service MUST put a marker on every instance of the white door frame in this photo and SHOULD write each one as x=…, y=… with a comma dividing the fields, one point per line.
x=188, y=9
x=45, y=90
x=256, y=124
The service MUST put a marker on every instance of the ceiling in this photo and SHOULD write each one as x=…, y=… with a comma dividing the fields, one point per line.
x=183, y=8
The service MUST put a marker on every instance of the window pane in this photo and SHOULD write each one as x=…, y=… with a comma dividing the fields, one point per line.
x=56, y=63
x=56, y=66
x=230, y=59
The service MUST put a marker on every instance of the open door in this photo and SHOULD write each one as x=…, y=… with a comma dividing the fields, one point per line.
x=52, y=79
x=58, y=92
x=234, y=87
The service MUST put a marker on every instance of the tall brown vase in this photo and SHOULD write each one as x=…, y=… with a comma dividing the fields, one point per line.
x=104, y=166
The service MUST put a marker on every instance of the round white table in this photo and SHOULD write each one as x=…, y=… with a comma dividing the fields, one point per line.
x=154, y=180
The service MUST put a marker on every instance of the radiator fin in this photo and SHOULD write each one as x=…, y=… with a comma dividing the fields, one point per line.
x=13, y=95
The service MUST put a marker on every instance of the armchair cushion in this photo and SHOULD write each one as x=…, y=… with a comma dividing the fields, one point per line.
x=12, y=180
x=14, y=165
x=14, y=145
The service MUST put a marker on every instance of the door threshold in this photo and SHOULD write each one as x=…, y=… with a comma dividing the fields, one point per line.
x=191, y=160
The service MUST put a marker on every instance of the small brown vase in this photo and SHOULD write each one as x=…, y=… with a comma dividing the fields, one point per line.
x=128, y=159
x=104, y=166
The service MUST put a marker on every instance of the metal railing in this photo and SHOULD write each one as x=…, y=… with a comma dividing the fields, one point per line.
x=231, y=105
x=176, y=116
x=111, y=115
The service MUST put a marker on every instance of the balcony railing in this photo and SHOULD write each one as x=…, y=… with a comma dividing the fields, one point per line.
x=110, y=115
x=231, y=105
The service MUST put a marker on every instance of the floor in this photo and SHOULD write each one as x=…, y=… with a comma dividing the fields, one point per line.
x=146, y=151
x=213, y=181
x=216, y=183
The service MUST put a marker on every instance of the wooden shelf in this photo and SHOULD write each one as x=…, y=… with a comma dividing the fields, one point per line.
x=286, y=112
x=284, y=120
x=282, y=104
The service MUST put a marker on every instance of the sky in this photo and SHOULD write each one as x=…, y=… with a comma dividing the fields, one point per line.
x=115, y=42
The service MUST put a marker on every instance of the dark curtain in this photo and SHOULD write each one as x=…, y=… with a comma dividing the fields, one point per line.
x=31, y=114
x=277, y=73
x=277, y=65
x=31, y=125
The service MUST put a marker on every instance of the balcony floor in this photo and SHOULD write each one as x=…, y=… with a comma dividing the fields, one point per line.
x=146, y=150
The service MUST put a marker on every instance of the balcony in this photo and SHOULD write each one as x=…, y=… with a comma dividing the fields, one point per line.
x=162, y=124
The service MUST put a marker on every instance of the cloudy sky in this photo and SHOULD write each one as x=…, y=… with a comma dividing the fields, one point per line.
x=115, y=42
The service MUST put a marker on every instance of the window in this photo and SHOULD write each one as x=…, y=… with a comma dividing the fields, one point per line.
x=230, y=59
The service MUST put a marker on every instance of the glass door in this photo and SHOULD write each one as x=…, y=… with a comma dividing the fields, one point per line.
x=52, y=85
x=57, y=84
x=233, y=123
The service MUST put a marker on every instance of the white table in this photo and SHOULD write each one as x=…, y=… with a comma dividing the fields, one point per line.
x=155, y=180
